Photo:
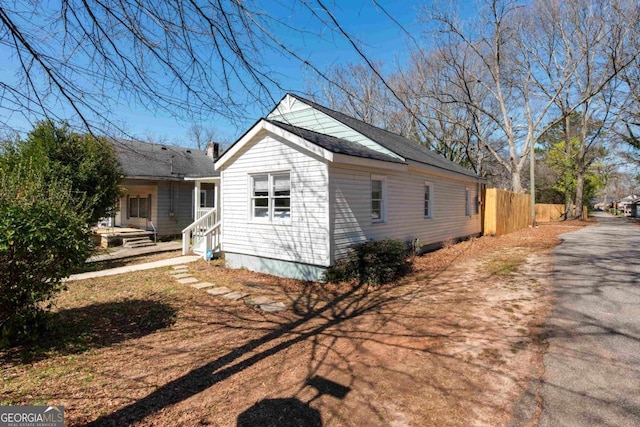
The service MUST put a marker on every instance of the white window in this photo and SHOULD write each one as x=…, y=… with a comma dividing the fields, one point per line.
x=428, y=200
x=467, y=202
x=378, y=199
x=271, y=197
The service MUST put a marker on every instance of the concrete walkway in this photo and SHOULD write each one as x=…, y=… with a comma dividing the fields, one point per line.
x=592, y=366
x=122, y=253
x=180, y=273
x=130, y=268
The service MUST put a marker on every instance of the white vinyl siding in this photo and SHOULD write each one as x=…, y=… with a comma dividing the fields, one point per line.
x=428, y=200
x=351, y=214
x=304, y=237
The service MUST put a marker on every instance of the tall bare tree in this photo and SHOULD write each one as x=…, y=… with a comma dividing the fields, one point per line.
x=200, y=135
x=498, y=73
x=192, y=59
x=592, y=49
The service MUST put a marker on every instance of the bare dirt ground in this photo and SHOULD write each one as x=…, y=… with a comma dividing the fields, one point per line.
x=452, y=344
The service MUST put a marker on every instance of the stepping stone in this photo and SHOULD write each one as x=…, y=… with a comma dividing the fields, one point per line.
x=180, y=267
x=202, y=285
x=235, y=295
x=181, y=275
x=187, y=280
x=221, y=290
x=260, y=300
x=273, y=307
x=254, y=285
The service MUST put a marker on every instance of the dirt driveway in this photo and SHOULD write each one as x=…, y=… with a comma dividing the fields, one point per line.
x=454, y=343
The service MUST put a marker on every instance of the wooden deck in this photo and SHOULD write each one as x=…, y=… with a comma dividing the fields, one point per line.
x=113, y=236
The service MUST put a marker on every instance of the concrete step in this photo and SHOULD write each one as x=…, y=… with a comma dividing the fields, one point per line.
x=140, y=245
x=137, y=242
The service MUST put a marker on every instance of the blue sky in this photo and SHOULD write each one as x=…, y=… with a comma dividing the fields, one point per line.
x=381, y=39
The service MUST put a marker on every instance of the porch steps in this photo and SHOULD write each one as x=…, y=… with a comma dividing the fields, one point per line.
x=137, y=242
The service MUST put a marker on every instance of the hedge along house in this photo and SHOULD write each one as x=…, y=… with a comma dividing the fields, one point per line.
x=158, y=186
x=306, y=182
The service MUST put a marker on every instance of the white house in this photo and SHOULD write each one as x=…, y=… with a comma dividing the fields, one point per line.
x=307, y=182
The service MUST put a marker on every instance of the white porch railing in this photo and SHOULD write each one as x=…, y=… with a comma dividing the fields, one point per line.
x=200, y=212
x=202, y=234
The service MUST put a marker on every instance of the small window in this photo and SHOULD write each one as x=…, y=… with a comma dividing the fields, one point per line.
x=271, y=197
x=428, y=200
x=467, y=202
x=378, y=199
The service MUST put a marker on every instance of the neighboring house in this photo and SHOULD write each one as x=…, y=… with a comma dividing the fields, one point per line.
x=635, y=209
x=306, y=182
x=625, y=204
x=159, y=188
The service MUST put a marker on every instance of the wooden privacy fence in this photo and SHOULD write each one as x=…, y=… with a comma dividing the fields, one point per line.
x=549, y=212
x=505, y=212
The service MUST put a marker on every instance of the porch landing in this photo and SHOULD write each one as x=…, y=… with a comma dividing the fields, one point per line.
x=115, y=236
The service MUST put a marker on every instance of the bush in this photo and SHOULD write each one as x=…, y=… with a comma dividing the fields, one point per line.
x=88, y=164
x=43, y=236
x=373, y=262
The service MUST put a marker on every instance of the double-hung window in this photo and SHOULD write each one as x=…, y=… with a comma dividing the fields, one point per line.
x=271, y=197
x=138, y=207
x=378, y=199
x=428, y=200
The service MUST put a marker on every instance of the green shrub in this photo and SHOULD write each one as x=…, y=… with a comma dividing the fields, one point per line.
x=43, y=236
x=372, y=262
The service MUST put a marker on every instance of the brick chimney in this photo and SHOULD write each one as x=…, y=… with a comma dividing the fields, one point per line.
x=213, y=150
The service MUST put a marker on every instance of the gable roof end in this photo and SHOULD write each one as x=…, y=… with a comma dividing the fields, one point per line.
x=335, y=145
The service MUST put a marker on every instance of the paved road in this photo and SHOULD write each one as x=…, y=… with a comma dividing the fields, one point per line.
x=592, y=367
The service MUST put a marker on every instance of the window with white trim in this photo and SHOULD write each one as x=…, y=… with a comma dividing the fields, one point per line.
x=428, y=200
x=467, y=202
x=271, y=197
x=378, y=199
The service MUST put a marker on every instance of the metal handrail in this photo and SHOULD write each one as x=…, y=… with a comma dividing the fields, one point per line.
x=155, y=232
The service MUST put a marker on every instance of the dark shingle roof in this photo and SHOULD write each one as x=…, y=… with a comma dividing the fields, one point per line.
x=161, y=161
x=398, y=144
x=335, y=145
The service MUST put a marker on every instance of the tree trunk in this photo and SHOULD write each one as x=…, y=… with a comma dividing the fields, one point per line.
x=567, y=150
x=579, y=192
x=516, y=185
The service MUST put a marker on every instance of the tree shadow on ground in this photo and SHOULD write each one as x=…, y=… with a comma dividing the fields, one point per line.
x=286, y=412
x=79, y=329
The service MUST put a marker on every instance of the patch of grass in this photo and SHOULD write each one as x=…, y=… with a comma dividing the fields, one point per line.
x=505, y=265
